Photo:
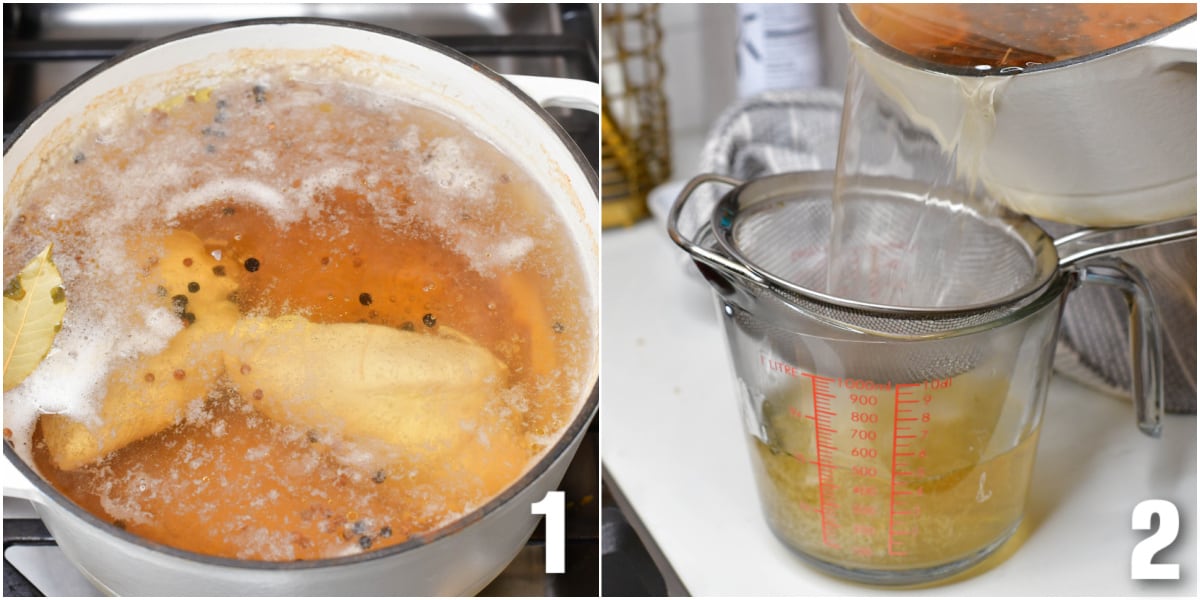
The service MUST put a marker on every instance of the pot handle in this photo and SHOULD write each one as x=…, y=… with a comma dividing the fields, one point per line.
x=1145, y=342
x=560, y=92
x=699, y=253
x=16, y=484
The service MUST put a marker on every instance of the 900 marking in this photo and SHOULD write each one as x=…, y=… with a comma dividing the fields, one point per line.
x=863, y=400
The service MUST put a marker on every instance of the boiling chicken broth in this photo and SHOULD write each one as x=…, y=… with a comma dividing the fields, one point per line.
x=305, y=319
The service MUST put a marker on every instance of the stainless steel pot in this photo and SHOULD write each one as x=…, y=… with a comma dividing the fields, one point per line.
x=1102, y=140
x=462, y=557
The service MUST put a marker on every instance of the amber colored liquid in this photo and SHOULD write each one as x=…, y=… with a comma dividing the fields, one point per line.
x=946, y=493
x=1008, y=35
x=382, y=246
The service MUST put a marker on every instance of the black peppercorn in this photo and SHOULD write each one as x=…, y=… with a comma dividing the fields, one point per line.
x=179, y=302
x=364, y=299
x=429, y=320
x=193, y=287
x=251, y=264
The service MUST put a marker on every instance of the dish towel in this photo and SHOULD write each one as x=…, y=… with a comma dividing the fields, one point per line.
x=778, y=132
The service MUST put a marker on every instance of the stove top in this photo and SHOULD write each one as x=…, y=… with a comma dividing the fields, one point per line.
x=48, y=45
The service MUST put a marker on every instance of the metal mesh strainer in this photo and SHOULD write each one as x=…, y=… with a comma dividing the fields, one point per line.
x=775, y=231
x=762, y=252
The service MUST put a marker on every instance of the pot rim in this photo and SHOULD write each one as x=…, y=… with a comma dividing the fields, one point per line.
x=855, y=30
x=588, y=408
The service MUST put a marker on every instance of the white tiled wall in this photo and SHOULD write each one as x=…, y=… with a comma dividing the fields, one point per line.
x=699, y=42
x=698, y=53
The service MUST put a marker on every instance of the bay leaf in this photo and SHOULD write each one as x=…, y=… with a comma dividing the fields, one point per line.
x=34, y=305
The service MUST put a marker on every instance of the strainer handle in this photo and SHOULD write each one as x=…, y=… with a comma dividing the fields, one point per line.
x=1145, y=341
x=698, y=252
x=1088, y=243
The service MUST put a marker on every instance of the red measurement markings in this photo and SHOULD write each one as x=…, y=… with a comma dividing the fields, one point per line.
x=902, y=450
x=804, y=505
x=864, y=529
x=864, y=510
x=778, y=366
x=823, y=424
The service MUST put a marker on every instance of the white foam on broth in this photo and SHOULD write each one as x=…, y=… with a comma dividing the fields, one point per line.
x=102, y=332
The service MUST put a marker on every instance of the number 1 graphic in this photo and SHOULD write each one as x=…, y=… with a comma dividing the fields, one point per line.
x=552, y=507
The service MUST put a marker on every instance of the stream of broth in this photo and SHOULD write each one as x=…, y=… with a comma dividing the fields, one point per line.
x=956, y=499
x=883, y=134
x=322, y=199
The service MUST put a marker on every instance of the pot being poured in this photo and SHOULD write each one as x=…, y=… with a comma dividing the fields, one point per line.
x=1074, y=113
x=262, y=337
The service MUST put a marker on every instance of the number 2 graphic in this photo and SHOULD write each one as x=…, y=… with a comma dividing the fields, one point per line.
x=1141, y=561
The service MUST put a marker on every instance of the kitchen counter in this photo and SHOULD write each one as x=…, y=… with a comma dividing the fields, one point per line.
x=675, y=457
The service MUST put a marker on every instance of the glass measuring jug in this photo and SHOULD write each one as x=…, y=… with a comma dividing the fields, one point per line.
x=900, y=455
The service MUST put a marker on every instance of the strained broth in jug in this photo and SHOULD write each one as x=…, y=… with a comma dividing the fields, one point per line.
x=880, y=486
x=305, y=319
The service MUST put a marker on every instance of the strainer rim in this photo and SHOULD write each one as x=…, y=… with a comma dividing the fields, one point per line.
x=1059, y=284
x=1043, y=253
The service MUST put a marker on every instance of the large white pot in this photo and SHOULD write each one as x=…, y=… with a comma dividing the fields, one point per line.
x=462, y=557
